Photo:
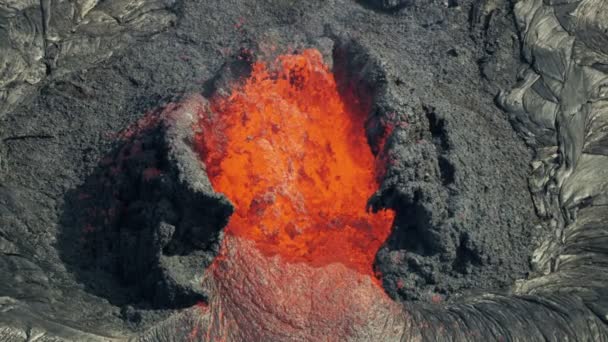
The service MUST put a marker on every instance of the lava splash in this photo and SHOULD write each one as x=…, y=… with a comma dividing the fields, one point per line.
x=292, y=156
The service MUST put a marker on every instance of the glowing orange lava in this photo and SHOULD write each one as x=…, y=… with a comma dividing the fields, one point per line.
x=292, y=156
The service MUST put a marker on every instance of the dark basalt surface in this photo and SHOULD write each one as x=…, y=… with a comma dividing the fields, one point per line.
x=106, y=233
x=456, y=180
x=455, y=228
x=146, y=223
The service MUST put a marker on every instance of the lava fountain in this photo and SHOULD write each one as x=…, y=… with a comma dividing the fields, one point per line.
x=291, y=154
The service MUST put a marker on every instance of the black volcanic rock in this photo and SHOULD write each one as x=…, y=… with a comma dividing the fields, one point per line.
x=148, y=215
x=72, y=73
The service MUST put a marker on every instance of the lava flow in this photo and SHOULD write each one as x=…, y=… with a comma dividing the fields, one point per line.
x=292, y=156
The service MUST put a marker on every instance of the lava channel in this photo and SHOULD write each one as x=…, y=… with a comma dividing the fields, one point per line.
x=297, y=259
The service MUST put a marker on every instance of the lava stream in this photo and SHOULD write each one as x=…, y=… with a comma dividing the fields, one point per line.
x=292, y=156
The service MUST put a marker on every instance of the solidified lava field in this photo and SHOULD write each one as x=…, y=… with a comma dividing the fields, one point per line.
x=418, y=137
x=281, y=170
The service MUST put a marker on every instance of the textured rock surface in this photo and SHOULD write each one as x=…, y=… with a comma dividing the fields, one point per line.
x=435, y=78
x=267, y=299
x=42, y=39
x=147, y=215
x=560, y=107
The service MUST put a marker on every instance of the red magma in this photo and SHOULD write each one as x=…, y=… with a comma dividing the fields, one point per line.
x=292, y=156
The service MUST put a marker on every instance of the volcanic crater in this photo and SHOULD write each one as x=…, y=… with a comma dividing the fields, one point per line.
x=277, y=170
x=273, y=200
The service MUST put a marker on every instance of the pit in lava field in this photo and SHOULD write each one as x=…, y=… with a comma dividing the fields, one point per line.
x=292, y=156
x=290, y=144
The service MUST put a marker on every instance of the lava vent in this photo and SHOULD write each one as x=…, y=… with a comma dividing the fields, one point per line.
x=292, y=155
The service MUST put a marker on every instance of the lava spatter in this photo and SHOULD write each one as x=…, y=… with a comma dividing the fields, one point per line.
x=292, y=156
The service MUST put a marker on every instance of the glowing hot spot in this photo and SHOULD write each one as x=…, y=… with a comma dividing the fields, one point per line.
x=292, y=156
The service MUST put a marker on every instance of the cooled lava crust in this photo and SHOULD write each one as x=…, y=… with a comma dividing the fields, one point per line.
x=143, y=240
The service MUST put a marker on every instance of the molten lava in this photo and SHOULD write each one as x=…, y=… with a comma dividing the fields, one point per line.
x=292, y=156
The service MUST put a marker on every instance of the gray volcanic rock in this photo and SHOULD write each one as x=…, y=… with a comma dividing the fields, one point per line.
x=456, y=173
x=42, y=39
x=147, y=215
